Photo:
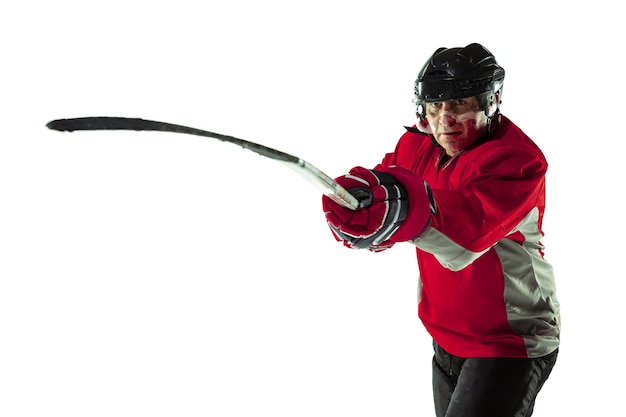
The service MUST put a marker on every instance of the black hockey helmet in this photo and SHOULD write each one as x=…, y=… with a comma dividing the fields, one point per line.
x=452, y=73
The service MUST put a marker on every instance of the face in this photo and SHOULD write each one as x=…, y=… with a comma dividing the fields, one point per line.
x=456, y=124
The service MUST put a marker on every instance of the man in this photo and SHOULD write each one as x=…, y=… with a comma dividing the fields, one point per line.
x=467, y=187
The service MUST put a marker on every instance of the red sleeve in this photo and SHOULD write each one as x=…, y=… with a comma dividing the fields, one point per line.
x=492, y=195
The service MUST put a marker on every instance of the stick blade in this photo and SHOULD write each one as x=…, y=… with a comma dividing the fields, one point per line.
x=104, y=123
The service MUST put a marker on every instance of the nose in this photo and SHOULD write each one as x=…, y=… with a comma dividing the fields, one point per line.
x=448, y=118
x=447, y=113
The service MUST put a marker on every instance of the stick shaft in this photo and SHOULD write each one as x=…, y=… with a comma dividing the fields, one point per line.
x=315, y=176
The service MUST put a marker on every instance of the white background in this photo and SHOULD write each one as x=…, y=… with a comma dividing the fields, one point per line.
x=155, y=274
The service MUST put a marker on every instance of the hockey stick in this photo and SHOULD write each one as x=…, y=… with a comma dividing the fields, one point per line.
x=325, y=183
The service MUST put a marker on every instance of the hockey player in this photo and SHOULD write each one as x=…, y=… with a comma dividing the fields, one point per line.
x=466, y=186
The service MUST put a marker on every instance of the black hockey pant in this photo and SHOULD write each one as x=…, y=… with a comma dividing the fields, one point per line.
x=487, y=387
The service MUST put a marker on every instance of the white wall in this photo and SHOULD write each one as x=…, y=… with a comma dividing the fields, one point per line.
x=168, y=275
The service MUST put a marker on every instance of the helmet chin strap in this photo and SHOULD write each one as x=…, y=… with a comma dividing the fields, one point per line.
x=493, y=122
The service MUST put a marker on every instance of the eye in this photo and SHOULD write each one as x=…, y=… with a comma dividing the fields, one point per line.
x=460, y=102
x=433, y=108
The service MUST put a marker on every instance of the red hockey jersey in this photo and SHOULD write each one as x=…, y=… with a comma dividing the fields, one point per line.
x=485, y=288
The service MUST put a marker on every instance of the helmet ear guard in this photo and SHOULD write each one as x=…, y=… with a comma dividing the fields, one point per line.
x=492, y=110
x=422, y=122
